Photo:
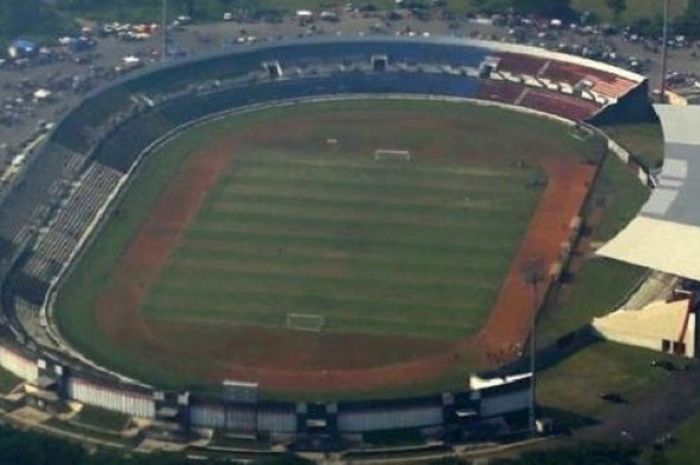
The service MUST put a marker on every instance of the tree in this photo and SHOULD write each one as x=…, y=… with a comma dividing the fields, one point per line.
x=492, y=6
x=287, y=459
x=18, y=17
x=648, y=27
x=547, y=8
x=617, y=7
x=29, y=448
x=580, y=454
x=689, y=22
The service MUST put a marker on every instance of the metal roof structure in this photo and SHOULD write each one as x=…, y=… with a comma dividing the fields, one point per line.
x=665, y=235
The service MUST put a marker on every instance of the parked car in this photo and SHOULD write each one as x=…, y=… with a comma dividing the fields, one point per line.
x=612, y=397
x=665, y=364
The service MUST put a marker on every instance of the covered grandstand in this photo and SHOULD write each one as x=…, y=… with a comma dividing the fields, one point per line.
x=665, y=236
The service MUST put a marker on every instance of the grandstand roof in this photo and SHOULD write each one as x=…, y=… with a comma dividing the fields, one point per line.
x=665, y=235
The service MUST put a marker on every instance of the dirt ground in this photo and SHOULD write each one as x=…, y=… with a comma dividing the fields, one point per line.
x=547, y=237
x=290, y=361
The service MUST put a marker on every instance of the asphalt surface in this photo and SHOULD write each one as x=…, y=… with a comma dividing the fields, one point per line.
x=656, y=413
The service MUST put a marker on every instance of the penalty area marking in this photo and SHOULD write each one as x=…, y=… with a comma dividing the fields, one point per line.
x=306, y=322
x=389, y=154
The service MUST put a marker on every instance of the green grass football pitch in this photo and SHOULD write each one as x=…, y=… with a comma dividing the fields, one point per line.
x=370, y=246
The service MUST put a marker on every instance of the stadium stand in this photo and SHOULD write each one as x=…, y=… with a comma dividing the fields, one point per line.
x=79, y=130
x=603, y=83
x=28, y=287
x=130, y=138
x=55, y=246
x=563, y=105
x=556, y=103
x=500, y=91
x=666, y=231
x=195, y=106
x=521, y=64
x=47, y=213
x=33, y=195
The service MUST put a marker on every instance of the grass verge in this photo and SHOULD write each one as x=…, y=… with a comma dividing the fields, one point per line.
x=101, y=418
x=600, y=284
x=572, y=386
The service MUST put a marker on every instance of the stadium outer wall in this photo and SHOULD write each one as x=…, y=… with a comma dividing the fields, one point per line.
x=92, y=385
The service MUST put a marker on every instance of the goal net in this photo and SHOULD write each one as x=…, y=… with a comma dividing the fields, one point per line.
x=392, y=155
x=306, y=322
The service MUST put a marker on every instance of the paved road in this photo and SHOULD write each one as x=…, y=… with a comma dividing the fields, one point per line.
x=656, y=413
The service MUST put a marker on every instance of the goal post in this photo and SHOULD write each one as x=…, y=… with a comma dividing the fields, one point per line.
x=392, y=155
x=306, y=322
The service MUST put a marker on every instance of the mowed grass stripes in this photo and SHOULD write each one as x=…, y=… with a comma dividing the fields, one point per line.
x=297, y=225
x=391, y=247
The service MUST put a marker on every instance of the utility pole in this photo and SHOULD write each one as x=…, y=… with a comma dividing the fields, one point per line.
x=664, y=52
x=533, y=274
x=164, y=32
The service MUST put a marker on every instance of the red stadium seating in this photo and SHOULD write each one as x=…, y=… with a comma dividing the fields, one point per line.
x=566, y=106
x=606, y=84
x=500, y=91
x=520, y=64
x=563, y=105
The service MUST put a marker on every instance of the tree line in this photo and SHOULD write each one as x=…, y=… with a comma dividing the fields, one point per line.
x=44, y=18
x=31, y=448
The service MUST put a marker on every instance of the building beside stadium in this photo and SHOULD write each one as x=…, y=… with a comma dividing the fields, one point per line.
x=663, y=237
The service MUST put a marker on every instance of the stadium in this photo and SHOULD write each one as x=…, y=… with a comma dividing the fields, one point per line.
x=264, y=230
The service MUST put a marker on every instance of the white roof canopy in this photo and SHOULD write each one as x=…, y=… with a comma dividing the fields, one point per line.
x=665, y=235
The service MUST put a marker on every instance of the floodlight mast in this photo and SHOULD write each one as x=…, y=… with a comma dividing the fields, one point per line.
x=664, y=52
x=533, y=363
x=164, y=32
x=533, y=274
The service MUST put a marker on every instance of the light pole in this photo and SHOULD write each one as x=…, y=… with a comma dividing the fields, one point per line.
x=664, y=52
x=164, y=26
x=533, y=274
